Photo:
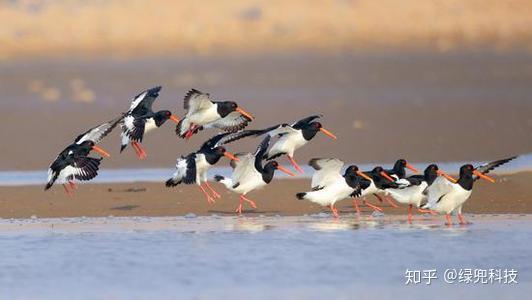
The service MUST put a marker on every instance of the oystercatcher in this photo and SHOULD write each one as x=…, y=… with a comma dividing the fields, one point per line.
x=203, y=113
x=445, y=197
x=380, y=181
x=398, y=173
x=74, y=162
x=412, y=194
x=249, y=173
x=140, y=119
x=293, y=137
x=329, y=185
x=193, y=168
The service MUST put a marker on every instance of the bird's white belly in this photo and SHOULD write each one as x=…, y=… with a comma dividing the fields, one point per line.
x=202, y=166
x=370, y=190
x=452, y=200
x=251, y=182
x=410, y=195
x=149, y=125
x=205, y=116
x=288, y=144
x=330, y=194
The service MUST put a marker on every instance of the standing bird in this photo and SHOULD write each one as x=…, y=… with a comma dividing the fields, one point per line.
x=379, y=182
x=329, y=185
x=249, y=174
x=193, y=168
x=203, y=113
x=141, y=119
x=398, y=173
x=293, y=137
x=445, y=197
x=73, y=163
x=412, y=194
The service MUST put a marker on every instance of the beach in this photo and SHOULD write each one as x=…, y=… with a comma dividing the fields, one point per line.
x=510, y=194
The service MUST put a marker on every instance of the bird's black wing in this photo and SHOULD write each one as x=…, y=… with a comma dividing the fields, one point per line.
x=134, y=128
x=143, y=102
x=97, y=133
x=259, y=154
x=190, y=175
x=303, y=122
x=484, y=169
x=415, y=179
x=84, y=168
x=225, y=138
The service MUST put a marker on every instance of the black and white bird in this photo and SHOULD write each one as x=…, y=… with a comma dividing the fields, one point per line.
x=412, y=193
x=445, y=197
x=379, y=182
x=203, y=113
x=292, y=137
x=329, y=185
x=193, y=168
x=74, y=162
x=140, y=119
x=398, y=173
x=249, y=174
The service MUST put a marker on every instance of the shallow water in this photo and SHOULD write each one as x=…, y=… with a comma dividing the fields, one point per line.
x=306, y=257
x=18, y=178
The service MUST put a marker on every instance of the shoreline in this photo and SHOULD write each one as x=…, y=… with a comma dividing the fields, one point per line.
x=511, y=194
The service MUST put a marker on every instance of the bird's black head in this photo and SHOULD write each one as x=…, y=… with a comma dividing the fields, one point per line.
x=162, y=116
x=400, y=163
x=466, y=170
x=431, y=173
x=213, y=155
x=377, y=170
x=310, y=130
x=226, y=107
x=269, y=170
x=351, y=171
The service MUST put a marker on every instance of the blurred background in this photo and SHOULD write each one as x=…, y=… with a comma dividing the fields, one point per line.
x=419, y=79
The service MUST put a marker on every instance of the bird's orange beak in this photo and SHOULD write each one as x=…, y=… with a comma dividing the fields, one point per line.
x=285, y=170
x=361, y=174
x=101, y=151
x=328, y=133
x=449, y=177
x=174, y=118
x=244, y=113
x=383, y=174
x=230, y=156
x=483, y=176
x=411, y=168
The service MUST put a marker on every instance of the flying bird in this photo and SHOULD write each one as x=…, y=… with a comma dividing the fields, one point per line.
x=292, y=137
x=74, y=162
x=249, y=174
x=193, y=168
x=412, y=193
x=140, y=119
x=329, y=185
x=203, y=113
x=446, y=197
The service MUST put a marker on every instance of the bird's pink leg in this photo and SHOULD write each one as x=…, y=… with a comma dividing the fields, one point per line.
x=295, y=165
x=461, y=219
x=387, y=200
x=371, y=206
x=190, y=131
x=213, y=192
x=67, y=191
x=355, y=205
x=448, y=219
x=333, y=210
x=141, y=154
x=209, y=198
x=251, y=202
x=72, y=185
x=238, y=210
x=410, y=214
x=426, y=211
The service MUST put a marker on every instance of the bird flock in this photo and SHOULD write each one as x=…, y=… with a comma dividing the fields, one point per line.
x=433, y=192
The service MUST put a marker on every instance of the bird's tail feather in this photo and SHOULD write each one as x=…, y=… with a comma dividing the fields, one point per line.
x=301, y=196
x=225, y=181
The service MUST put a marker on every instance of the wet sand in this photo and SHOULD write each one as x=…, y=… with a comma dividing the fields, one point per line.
x=511, y=194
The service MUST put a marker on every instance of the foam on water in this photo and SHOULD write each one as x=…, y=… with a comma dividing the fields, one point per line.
x=18, y=178
x=308, y=257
